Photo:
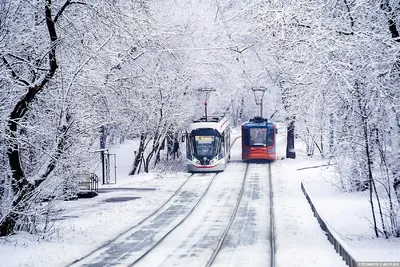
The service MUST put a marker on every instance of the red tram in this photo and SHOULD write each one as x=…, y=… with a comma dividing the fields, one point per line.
x=259, y=140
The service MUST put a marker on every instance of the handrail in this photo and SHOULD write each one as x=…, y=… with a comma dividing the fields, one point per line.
x=342, y=249
x=95, y=182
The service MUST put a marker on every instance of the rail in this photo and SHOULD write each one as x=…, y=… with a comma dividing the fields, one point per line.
x=233, y=218
x=178, y=224
x=94, y=179
x=224, y=234
x=272, y=219
x=342, y=249
x=88, y=185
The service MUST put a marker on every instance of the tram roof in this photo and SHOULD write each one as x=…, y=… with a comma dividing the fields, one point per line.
x=220, y=123
x=258, y=122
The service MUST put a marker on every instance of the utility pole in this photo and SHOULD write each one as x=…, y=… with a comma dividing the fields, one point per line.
x=207, y=91
x=102, y=150
x=258, y=96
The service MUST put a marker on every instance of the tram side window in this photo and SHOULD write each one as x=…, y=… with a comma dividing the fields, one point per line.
x=258, y=137
x=188, y=148
x=271, y=137
x=227, y=142
x=221, y=147
x=245, y=137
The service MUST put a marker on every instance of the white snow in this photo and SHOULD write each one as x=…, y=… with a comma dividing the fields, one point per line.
x=299, y=238
x=350, y=216
x=88, y=223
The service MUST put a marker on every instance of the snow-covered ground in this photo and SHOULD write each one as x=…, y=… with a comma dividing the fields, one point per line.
x=299, y=238
x=349, y=216
x=87, y=224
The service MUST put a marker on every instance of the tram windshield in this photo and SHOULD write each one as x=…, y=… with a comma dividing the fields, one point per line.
x=204, y=146
x=204, y=142
x=258, y=136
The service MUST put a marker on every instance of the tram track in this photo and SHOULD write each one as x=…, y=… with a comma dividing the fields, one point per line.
x=198, y=231
x=272, y=218
x=193, y=242
x=170, y=231
x=222, y=239
x=243, y=235
x=209, y=232
x=147, y=252
x=134, y=243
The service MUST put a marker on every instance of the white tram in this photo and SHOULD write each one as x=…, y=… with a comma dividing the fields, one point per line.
x=208, y=144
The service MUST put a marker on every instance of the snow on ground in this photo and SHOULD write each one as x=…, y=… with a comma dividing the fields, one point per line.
x=349, y=215
x=299, y=238
x=86, y=224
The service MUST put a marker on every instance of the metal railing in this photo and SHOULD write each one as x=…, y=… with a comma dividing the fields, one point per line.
x=94, y=179
x=88, y=184
x=340, y=248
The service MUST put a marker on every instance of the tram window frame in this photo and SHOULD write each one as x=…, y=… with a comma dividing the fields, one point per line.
x=189, y=149
x=227, y=142
x=245, y=136
x=217, y=146
x=254, y=135
x=221, y=147
x=271, y=137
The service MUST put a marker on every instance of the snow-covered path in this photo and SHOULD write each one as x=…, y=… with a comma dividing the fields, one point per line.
x=248, y=240
x=131, y=245
x=196, y=239
x=194, y=242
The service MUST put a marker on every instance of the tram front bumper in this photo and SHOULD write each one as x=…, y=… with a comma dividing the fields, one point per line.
x=220, y=166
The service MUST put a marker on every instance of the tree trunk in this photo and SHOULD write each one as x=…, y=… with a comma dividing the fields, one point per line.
x=290, y=152
x=385, y=6
x=158, y=157
x=139, y=154
x=331, y=133
x=20, y=185
x=370, y=177
x=146, y=165
x=19, y=204
x=396, y=187
x=365, y=126
x=394, y=162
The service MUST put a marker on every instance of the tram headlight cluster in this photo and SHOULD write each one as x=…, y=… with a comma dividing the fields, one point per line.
x=195, y=160
x=214, y=160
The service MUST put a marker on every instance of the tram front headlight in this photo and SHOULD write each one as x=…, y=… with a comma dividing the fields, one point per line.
x=195, y=160
x=214, y=160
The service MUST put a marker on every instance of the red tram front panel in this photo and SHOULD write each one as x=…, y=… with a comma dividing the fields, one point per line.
x=258, y=142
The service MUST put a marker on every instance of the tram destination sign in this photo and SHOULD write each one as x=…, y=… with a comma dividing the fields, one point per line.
x=204, y=139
